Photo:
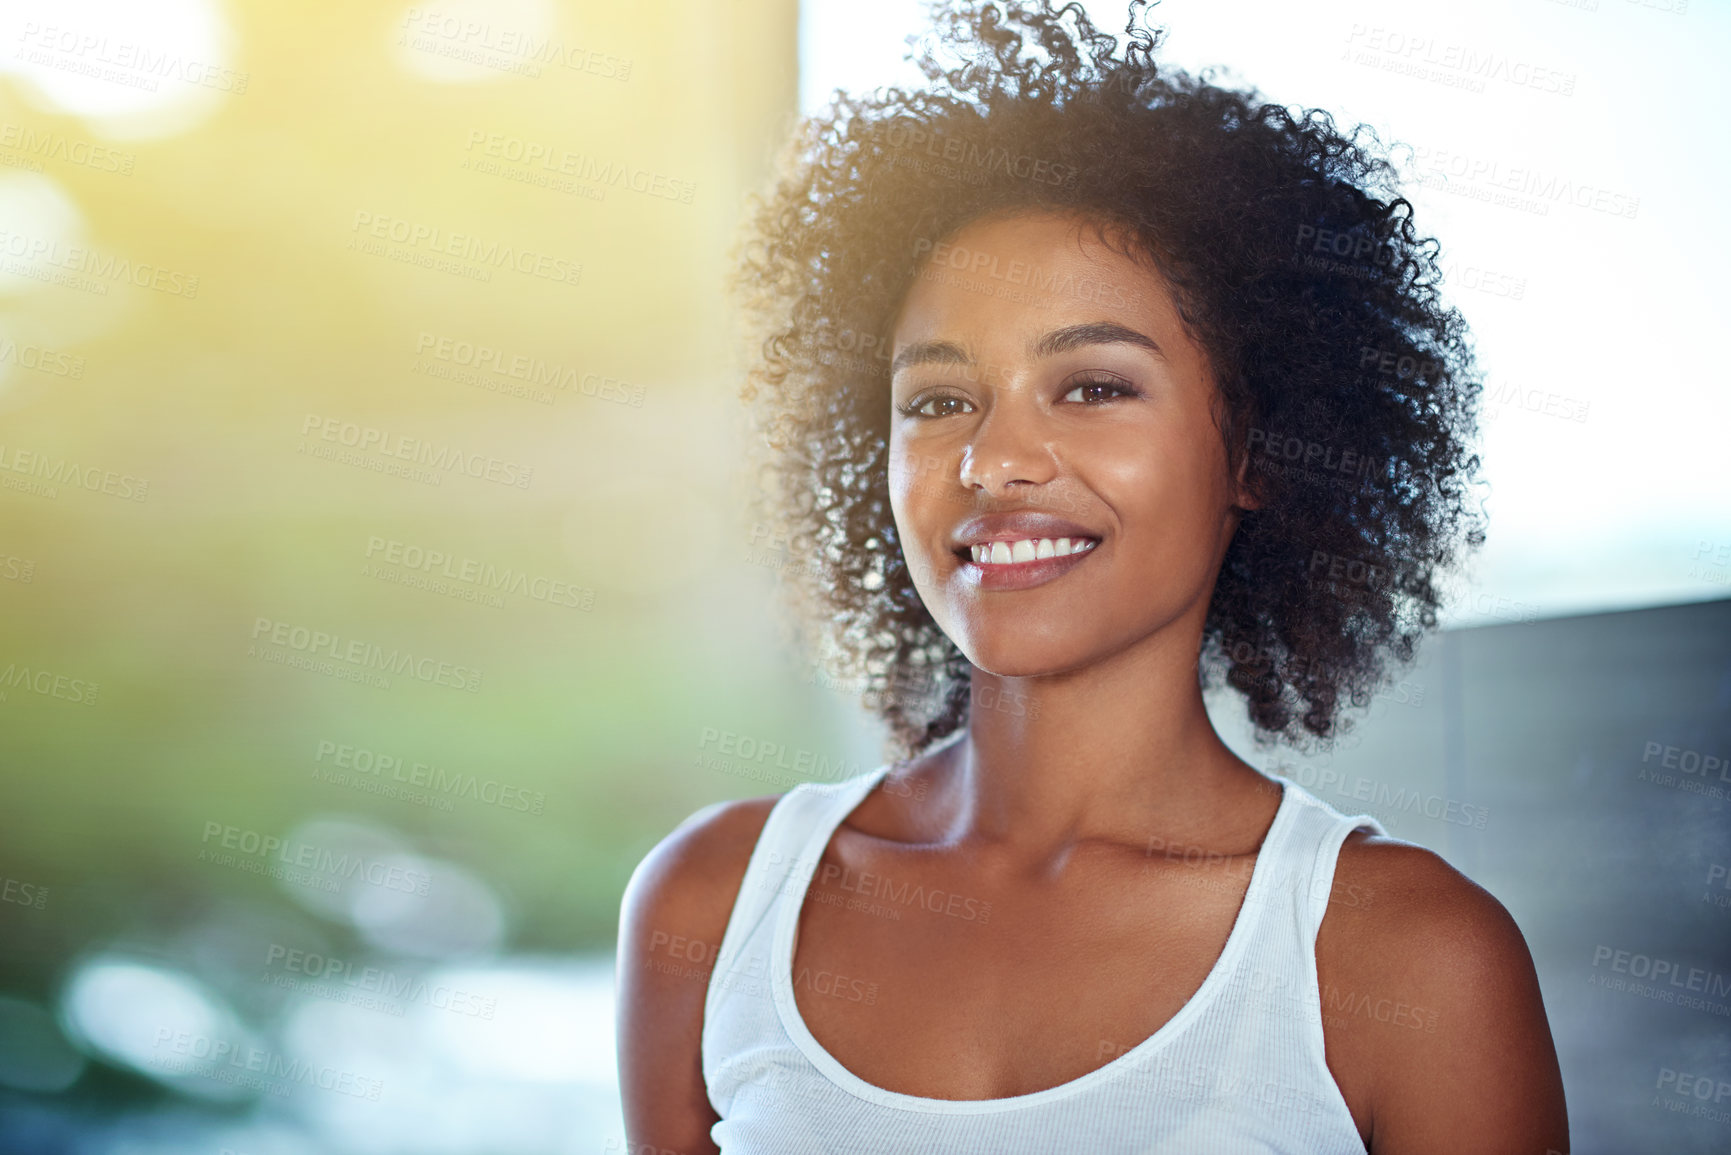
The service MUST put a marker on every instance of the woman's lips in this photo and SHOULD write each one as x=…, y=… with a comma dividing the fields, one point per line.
x=1024, y=574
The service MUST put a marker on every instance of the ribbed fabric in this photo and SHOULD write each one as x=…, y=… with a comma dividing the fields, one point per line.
x=1238, y=1069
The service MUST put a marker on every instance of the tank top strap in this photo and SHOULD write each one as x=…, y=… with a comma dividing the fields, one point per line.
x=786, y=837
x=1318, y=832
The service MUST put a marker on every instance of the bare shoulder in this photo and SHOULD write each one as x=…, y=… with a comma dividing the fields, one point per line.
x=693, y=874
x=1420, y=911
x=1430, y=999
x=671, y=920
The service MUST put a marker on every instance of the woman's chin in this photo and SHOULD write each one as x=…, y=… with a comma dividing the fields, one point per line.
x=1023, y=658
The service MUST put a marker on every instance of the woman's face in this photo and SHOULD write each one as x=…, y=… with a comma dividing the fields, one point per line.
x=1046, y=399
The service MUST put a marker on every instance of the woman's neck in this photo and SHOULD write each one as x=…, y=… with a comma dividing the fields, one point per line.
x=1120, y=752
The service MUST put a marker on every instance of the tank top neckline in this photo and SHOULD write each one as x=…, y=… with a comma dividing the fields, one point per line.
x=792, y=900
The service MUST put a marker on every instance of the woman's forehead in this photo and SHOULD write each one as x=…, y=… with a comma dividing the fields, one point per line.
x=1009, y=278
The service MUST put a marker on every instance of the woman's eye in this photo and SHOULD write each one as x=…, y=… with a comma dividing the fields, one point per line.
x=1097, y=389
x=937, y=405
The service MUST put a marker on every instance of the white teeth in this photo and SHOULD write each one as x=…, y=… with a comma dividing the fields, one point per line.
x=1028, y=549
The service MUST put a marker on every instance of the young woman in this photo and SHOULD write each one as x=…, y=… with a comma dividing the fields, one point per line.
x=1092, y=384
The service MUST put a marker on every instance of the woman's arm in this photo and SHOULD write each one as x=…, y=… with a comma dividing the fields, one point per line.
x=674, y=912
x=1435, y=1026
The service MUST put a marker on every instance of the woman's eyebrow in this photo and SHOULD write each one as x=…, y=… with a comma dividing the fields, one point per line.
x=1051, y=344
x=1094, y=333
x=930, y=353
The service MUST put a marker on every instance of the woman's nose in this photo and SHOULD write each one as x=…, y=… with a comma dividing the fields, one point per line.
x=1008, y=446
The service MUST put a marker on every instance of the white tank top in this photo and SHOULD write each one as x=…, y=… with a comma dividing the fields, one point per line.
x=1238, y=1069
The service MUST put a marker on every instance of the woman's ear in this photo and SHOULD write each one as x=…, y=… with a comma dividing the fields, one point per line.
x=1244, y=494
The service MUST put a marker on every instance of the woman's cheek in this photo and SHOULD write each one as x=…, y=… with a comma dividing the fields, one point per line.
x=912, y=521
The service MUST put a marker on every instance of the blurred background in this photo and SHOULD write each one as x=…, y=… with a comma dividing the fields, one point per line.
x=379, y=586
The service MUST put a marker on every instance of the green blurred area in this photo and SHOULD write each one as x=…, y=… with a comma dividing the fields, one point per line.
x=641, y=506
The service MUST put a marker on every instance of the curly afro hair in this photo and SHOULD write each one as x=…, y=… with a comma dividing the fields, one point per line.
x=1343, y=377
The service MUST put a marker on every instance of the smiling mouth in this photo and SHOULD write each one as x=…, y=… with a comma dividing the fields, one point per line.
x=1007, y=553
